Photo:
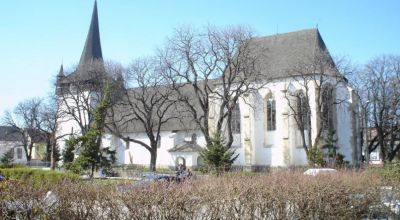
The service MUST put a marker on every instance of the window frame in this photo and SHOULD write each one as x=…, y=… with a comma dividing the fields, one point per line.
x=270, y=112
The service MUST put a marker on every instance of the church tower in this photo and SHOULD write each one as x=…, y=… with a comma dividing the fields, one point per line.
x=79, y=92
x=91, y=61
x=92, y=51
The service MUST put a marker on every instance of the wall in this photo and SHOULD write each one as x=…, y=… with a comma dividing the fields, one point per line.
x=255, y=146
x=136, y=154
x=67, y=124
x=7, y=145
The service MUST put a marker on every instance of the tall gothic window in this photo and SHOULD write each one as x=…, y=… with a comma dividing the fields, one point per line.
x=303, y=111
x=235, y=120
x=327, y=107
x=270, y=112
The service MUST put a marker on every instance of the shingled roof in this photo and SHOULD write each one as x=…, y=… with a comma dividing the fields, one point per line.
x=92, y=49
x=8, y=133
x=277, y=55
x=92, y=58
x=180, y=118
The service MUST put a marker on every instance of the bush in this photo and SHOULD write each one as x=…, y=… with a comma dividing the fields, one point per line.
x=37, y=177
x=391, y=172
x=279, y=195
x=217, y=155
x=8, y=157
x=4, y=166
x=315, y=157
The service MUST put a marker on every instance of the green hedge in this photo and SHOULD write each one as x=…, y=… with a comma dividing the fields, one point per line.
x=37, y=176
x=391, y=171
x=6, y=166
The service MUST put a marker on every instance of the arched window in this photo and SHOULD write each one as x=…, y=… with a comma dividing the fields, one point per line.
x=194, y=138
x=302, y=111
x=328, y=107
x=235, y=120
x=200, y=161
x=270, y=112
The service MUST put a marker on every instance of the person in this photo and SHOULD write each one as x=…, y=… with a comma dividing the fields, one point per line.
x=2, y=177
x=189, y=173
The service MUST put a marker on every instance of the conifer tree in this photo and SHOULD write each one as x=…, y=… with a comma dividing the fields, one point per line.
x=7, y=157
x=91, y=155
x=218, y=156
x=68, y=152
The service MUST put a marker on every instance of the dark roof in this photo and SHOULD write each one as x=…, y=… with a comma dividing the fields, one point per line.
x=61, y=72
x=92, y=49
x=277, y=55
x=186, y=146
x=180, y=118
x=8, y=133
x=91, y=62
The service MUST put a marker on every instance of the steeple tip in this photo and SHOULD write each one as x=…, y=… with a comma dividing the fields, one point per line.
x=61, y=72
x=92, y=50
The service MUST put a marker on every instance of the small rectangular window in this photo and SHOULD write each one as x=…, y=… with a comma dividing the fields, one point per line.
x=19, y=153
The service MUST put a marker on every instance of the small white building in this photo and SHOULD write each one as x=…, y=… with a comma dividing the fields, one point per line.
x=10, y=140
x=266, y=133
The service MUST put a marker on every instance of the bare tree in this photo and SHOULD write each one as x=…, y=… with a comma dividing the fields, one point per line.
x=25, y=120
x=149, y=106
x=317, y=78
x=211, y=67
x=49, y=116
x=79, y=92
x=381, y=80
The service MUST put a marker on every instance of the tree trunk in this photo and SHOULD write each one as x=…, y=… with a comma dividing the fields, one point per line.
x=303, y=139
x=381, y=143
x=153, y=158
x=92, y=170
x=30, y=152
x=52, y=157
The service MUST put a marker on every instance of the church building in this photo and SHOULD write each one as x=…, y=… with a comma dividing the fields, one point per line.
x=270, y=127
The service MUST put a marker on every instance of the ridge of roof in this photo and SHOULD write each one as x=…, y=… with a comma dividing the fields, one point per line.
x=278, y=55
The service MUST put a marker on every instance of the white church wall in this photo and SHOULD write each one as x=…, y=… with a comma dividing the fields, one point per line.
x=68, y=124
x=136, y=154
x=269, y=149
x=281, y=147
x=189, y=157
x=344, y=122
x=240, y=159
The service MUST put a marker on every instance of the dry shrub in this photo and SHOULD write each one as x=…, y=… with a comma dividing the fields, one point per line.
x=279, y=195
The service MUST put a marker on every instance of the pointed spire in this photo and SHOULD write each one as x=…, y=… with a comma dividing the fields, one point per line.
x=61, y=72
x=92, y=49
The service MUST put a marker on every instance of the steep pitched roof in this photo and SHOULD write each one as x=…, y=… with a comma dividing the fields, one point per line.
x=61, y=72
x=180, y=118
x=278, y=54
x=92, y=50
x=8, y=133
x=91, y=62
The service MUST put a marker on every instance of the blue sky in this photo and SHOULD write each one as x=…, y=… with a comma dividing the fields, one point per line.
x=37, y=36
